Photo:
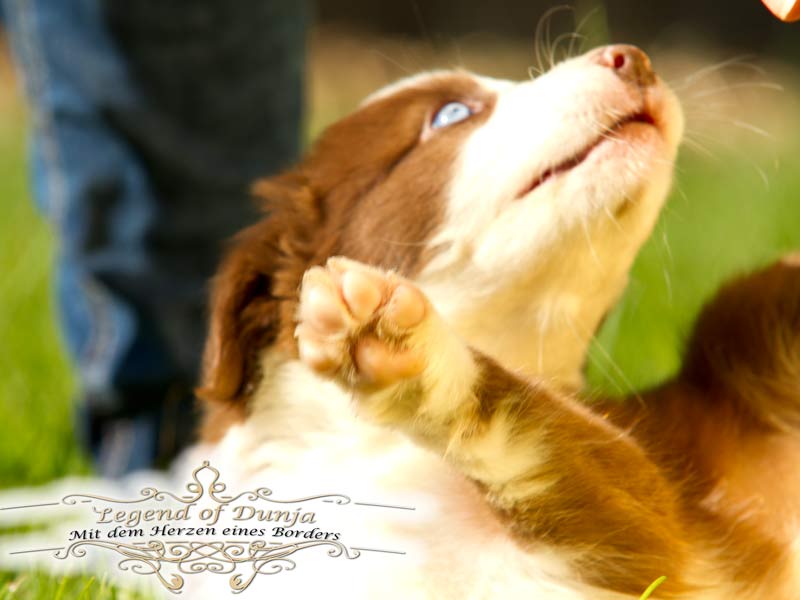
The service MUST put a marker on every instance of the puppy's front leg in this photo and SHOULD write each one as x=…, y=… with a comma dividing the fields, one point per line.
x=553, y=471
x=378, y=335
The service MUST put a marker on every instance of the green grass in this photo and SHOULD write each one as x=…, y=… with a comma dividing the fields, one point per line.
x=35, y=585
x=36, y=386
x=723, y=219
x=652, y=588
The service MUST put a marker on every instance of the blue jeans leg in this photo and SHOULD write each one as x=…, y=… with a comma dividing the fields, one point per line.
x=141, y=156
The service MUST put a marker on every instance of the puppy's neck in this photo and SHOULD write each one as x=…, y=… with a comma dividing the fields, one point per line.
x=541, y=328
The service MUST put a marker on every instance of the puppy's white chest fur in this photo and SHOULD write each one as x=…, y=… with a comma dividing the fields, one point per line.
x=304, y=438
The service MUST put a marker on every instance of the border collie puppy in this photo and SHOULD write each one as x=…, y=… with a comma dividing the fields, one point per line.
x=408, y=325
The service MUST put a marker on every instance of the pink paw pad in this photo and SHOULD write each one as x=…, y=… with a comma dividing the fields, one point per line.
x=355, y=320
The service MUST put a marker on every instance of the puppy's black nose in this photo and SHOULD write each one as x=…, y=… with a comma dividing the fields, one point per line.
x=629, y=62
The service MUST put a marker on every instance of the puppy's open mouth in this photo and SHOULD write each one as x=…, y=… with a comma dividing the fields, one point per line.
x=574, y=161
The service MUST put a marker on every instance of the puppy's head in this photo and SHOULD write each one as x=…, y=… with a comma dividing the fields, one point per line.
x=518, y=207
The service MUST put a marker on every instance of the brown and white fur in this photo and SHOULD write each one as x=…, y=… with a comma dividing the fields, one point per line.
x=409, y=323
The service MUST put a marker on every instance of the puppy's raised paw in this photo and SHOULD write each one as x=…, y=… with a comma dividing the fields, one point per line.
x=357, y=323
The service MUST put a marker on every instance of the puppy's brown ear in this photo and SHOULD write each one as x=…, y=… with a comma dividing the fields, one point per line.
x=254, y=296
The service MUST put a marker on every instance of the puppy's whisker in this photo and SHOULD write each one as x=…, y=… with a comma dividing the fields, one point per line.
x=735, y=149
x=559, y=40
x=740, y=62
x=614, y=219
x=592, y=250
x=572, y=49
x=750, y=127
x=698, y=146
x=738, y=123
x=763, y=174
x=423, y=29
x=580, y=26
x=542, y=44
x=716, y=113
x=399, y=243
x=392, y=61
x=767, y=85
x=678, y=188
x=459, y=54
x=626, y=386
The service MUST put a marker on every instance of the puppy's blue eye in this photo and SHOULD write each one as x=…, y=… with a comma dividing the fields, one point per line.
x=450, y=113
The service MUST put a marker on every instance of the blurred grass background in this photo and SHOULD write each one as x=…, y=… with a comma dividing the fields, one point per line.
x=736, y=206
